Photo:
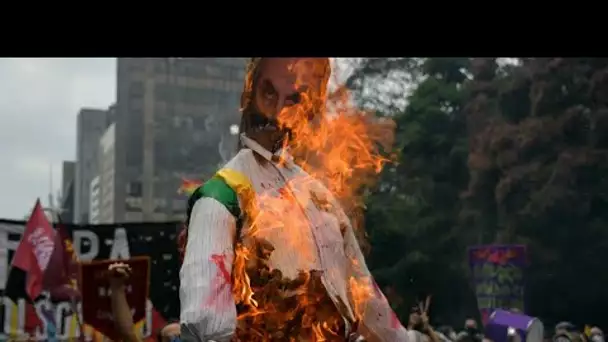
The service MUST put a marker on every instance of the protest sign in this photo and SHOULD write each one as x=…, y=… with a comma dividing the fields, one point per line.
x=498, y=277
x=96, y=293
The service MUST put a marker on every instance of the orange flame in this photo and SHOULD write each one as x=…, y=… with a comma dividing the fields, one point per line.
x=344, y=149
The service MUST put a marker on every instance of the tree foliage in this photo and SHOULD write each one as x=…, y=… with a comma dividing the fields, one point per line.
x=491, y=153
x=413, y=213
x=538, y=177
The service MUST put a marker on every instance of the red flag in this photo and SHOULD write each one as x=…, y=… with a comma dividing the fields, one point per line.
x=34, y=251
x=62, y=271
x=32, y=321
x=60, y=275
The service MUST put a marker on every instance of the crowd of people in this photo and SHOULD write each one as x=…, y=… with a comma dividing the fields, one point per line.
x=419, y=327
x=421, y=331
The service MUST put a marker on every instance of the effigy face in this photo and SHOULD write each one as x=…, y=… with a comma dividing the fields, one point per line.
x=287, y=91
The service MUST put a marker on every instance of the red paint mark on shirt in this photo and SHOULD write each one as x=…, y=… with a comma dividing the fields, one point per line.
x=222, y=279
x=220, y=262
x=395, y=324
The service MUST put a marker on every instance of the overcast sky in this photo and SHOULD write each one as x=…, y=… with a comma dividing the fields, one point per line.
x=39, y=101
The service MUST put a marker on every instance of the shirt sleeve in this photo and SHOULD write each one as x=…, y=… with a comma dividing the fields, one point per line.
x=379, y=322
x=208, y=311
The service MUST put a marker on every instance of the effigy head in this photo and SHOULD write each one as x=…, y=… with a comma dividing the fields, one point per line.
x=274, y=85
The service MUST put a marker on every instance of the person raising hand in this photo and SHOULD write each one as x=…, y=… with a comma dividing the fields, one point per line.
x=123, y=318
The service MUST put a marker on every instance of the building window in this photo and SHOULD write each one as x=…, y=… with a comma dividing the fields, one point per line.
x=200, y=123
x=134, y=189
x=177, y=122
x=197, y=136
x=210, y=123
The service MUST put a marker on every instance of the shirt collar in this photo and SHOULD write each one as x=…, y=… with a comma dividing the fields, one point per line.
x=280, y=156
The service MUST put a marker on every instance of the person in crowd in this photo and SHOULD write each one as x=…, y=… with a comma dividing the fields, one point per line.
x=596, y=335
x=414, y=336
x=446, y=333
x=220, y=216
x=513, y=335
x=471, y=332
x=170, y=332
x=567, y=332
x=442, y=337
x=569, y=337
x=119, y=273
x=564, y=327
x=419, y=321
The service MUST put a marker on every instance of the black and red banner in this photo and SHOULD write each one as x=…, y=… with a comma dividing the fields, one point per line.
x=94, y=243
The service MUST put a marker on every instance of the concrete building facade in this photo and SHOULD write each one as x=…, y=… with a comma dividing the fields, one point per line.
x=66, y=202
x=107, y=171
x=95, y=197
x=67, y=174
x=91, y=123
x=173, y=118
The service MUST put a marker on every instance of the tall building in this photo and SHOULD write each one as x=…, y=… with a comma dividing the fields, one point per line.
x=107, y=184
x=67, y=173
x=91, y=123
x=171, y=115
x=111, y=114
x=67, y=191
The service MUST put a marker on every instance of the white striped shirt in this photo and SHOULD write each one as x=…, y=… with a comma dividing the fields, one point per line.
x=314, y=241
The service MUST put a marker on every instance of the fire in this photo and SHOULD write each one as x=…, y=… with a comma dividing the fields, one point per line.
x=344, y=149
x=361, y=293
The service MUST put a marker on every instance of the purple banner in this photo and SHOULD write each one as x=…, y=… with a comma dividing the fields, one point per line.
x=498, y=277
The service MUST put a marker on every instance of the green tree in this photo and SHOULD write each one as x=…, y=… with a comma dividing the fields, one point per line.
x=537, y=176
x=412, y=216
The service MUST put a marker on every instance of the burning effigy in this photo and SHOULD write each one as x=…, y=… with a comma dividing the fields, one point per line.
x=272, y=251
